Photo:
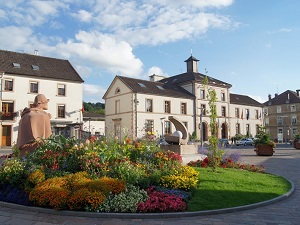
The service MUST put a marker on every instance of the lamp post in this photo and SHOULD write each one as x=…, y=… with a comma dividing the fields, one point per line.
x=201, y=127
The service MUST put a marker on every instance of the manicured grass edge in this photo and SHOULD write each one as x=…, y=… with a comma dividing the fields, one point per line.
x=149, y=215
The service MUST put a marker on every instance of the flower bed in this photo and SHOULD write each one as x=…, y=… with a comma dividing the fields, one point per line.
x=98, y=176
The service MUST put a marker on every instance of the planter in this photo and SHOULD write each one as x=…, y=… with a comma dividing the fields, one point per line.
x=296, y=144
x=264, y=150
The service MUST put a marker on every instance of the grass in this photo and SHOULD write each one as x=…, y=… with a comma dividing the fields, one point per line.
x=231, y=187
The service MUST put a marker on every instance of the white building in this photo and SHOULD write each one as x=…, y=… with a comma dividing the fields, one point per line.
x=23, y=76
x=139, y=106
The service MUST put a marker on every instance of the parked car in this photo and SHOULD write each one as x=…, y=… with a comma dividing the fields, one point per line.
x=245, y=141
x=224, y=142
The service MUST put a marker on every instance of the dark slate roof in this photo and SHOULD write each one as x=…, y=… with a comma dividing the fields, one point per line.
x=197, y=77
x=244, y=100
x=287, y=97
x=155, y=88
x=52, y=68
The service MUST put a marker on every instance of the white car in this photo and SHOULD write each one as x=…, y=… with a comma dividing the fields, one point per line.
x=244, y=141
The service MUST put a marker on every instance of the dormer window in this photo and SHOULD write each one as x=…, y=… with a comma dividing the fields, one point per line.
x=142, y=85
x=16, y=65
x=35, y=67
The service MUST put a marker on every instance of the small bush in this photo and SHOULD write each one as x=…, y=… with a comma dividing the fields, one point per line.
x=161, y=202
x=126, y=201
x=186, y=178
x=13, y=172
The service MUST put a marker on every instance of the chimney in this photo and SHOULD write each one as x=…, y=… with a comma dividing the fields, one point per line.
x=276, y=95
x=269, y=96
x=298, y=92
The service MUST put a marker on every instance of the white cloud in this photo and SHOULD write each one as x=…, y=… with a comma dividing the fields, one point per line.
x=156, y=70
x=93, y=93
x=196, y=3
x=83, y=16
x=103, y=51
x=15, y=38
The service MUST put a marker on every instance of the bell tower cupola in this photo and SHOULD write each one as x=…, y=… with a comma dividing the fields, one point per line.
x=192, y=64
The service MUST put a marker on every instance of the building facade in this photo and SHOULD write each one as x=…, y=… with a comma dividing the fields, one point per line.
x=281, y=115
x=23, y=76
x=139, y=106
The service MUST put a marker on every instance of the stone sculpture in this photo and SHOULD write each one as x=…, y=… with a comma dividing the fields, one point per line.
x=34, y=126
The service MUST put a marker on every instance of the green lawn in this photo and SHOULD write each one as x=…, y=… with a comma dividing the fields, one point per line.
x=231, y=187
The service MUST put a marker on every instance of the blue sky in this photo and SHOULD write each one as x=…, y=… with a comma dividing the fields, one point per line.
x=252, y=44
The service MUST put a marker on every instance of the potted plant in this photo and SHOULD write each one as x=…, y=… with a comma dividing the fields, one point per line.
x=263, y=143
x=296, y=143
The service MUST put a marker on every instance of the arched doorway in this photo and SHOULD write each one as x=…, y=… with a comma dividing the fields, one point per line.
x=224, y=130
x=204, y=130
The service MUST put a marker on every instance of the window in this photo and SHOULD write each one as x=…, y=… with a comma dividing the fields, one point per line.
x=149, y=126
x=294, y=120
x=117, y=91
x=223, y=111
x=248, y=129
x=247, y=114
x=280, y=131
x=35, y=67
x=185, y=124
x=237, y=128
x=117, y=106
x=223, y=96
x=167, y=107
x=183, y=108
x=279, y=121
x=202, y=94
x=257, y=128
x=278, y=109
x=61, y=90
x=8, y=85
x=237, y=112
x=203, y=106
x=61, y=111
x=266, y=111
x=256, y=114
x=34, y=87
x=149, y=107
x=293, y=108
x=7, y=111
x=267, y=121
x=168, y=127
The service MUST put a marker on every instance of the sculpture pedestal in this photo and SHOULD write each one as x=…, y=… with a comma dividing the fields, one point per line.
x=181, y=149
x=187, y=152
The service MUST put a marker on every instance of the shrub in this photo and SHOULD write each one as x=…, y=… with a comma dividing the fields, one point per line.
x=161, y=202
x=84, y=198
x=52, y=192
x=131, y=173
x=126, y=201
x=13, y=172
x=186, y=178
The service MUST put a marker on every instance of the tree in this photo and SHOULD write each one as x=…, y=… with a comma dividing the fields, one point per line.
x=213, y=149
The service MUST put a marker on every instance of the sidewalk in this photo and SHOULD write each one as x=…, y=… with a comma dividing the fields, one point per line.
x=285, y=162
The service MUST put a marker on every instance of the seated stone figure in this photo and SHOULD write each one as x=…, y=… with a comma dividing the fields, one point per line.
x=34, y=126
x=181, y=136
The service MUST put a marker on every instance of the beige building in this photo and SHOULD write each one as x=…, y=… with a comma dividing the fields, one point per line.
x=135, y=106
x=23, y=76
x=281, y=115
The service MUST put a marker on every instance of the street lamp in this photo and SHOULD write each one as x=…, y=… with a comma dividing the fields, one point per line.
x=201, y=127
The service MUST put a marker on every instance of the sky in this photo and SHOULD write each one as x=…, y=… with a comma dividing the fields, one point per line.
x=254, y=45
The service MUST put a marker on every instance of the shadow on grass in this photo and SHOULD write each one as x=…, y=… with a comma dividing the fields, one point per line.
x=220, y=199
